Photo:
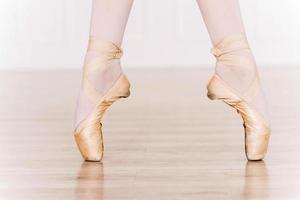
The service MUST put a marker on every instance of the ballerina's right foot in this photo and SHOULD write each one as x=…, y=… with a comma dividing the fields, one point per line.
x=236, y=82
x=103, y=82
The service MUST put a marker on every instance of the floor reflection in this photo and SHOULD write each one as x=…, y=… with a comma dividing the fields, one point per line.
x=256, y=181
x=90, y=181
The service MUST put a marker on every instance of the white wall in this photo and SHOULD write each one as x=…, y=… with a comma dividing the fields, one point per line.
x=53, y=33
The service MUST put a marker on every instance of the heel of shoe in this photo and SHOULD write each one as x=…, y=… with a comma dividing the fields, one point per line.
x=124, y=88
x=217, y=90
x=121, y=89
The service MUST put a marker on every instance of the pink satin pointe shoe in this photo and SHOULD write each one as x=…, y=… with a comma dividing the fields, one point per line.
x=256, y=128
x=88, y=134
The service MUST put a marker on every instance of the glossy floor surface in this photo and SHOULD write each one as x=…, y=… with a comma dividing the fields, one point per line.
x=166, y=142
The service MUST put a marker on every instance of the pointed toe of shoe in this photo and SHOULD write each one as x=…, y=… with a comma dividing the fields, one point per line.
x=90, y=145
x=255, y=157
x=93, y=158
x=256, y=145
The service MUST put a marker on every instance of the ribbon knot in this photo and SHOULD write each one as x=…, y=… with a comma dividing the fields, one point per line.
x=216, y=52
x=107, y=50
x=117, y=54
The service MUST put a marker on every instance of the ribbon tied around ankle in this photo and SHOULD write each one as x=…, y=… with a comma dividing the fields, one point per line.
x=227, y=53
x=229, y=45
x=106, y=52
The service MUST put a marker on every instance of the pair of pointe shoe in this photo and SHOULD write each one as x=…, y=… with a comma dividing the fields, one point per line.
x=257, y=132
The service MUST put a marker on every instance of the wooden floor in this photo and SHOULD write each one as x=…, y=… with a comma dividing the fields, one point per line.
x=166, y=142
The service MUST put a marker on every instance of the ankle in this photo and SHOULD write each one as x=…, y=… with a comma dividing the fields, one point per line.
x=235, y=62
x=237, y=66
